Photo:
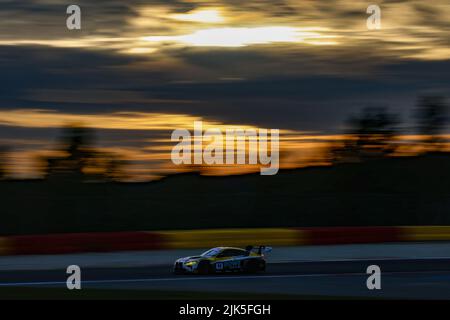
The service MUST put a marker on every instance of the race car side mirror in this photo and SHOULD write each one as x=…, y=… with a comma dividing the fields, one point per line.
x=267, y=249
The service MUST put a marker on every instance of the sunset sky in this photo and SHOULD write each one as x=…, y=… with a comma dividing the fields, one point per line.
x=139, y=69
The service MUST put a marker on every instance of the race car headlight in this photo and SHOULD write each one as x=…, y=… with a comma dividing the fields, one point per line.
x=190, y=263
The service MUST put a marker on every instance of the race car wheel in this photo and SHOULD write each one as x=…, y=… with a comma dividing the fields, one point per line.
x=262, y=265
x=203, y=267
x=251, y=266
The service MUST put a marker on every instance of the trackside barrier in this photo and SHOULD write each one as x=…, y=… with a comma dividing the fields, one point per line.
x=84, y=242
x=231, y=237
x=183, y=239
x=425, y=233
x=5, y=246
x=343, y=235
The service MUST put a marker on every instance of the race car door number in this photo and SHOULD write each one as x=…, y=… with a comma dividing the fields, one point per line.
x=229, y=264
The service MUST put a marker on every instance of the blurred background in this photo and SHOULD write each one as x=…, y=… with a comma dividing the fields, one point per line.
x=86, y=115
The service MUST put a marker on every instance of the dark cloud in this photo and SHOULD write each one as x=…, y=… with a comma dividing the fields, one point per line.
x=301, y=87
x=305, y=102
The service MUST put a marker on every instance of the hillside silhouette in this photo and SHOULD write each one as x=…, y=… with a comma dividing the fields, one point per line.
x=388, y=191
x=367, y=184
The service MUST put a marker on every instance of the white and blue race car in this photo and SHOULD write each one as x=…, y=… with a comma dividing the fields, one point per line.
x=224, y=259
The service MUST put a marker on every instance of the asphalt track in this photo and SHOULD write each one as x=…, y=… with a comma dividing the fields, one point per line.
x=401, y=279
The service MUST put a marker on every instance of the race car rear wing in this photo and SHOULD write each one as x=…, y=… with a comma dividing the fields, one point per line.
x=259, y=249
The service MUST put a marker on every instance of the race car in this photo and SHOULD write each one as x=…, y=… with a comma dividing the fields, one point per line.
x=224, y=259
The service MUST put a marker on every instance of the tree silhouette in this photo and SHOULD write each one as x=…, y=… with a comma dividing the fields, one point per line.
x=83, y=160
x=3, y=169
x=79, y=142
x=431, y=116
x=369, y=135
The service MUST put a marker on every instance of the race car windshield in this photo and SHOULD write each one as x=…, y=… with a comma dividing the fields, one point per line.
x=211, y=253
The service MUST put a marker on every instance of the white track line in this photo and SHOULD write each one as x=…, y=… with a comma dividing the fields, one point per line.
x=15, y=284
x=359, y=259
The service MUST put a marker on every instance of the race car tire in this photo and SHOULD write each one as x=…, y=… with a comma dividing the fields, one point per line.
x=250, y=266
x=262, y=266
x=204, y=267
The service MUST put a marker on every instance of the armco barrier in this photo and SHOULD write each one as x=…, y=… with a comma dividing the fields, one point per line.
x=231, y=237
x=5, y=246
x=343, y=235
x=84, y=242
x=156, y=240
x=425, y=233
